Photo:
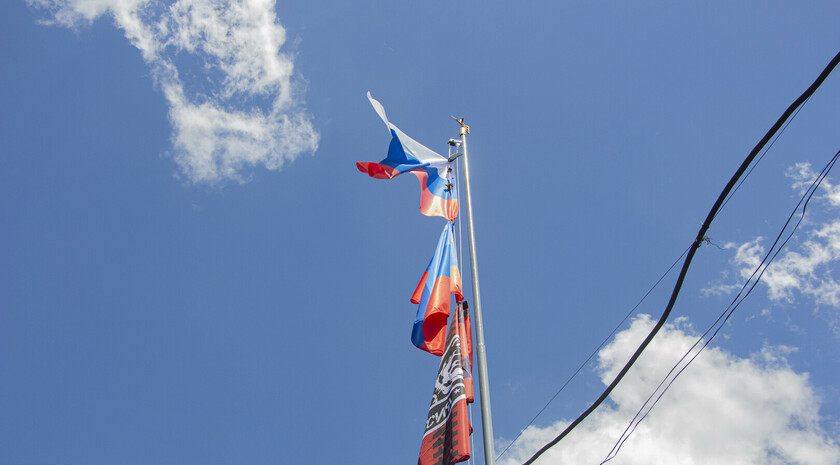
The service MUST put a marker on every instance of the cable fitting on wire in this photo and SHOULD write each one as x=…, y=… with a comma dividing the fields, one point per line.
x=708, y=241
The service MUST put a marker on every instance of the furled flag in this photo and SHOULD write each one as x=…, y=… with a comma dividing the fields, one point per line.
x=447, y=436
x=438, y=196
x=440, y=279
x=462, y=315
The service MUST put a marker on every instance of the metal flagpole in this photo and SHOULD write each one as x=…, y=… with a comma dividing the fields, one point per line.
x=483, y=386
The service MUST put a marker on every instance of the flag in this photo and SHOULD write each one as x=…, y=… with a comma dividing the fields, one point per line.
x=462, y=316
x=438, y=196
x=446, y=439
x=440, y=279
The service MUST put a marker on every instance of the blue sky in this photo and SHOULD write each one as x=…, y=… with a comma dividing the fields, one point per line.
x=192, y=270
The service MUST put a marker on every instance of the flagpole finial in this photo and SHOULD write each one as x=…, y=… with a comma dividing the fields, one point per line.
x=465, y=130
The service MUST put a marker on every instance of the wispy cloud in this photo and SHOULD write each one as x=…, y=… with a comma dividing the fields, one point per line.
x=802, y=175
x=723, y=409
x=804, y=269
x=233, y=97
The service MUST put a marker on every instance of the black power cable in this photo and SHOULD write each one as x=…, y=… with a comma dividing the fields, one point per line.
x=594, y=352
x=694, y=246
x=742, y=295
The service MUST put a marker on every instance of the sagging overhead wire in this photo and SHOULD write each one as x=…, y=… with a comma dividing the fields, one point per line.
x=594, y=352
x=718, y=324
x=754, y=165
x=692, y=250
x=706, y=241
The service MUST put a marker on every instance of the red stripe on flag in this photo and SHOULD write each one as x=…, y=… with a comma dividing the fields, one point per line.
x=437, y=312
x=418, y=292
x=432, y=205
x=376, y=170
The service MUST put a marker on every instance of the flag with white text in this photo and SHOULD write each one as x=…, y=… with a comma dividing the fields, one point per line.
x=447, y=436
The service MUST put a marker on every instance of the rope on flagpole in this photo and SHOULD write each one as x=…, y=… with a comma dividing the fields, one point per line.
x=457, y=184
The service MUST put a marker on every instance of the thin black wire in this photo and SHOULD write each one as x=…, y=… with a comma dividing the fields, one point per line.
x=692, y=250
x=586, y=362
x=768, y=260
x=736, y=302
x=620, y=440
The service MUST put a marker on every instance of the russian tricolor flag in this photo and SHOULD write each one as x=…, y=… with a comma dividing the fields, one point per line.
x=438, y=196
x=440, y=279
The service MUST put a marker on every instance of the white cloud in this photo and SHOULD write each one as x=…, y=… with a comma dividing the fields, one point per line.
x=806, y=271
x=803, y=269
x=232, y=94
x=722, y=410
x=803, y=175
